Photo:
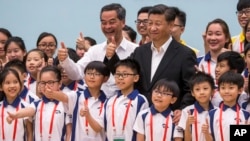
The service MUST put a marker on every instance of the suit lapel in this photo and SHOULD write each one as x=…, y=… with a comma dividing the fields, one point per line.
x=170, y=53
x=147, y=63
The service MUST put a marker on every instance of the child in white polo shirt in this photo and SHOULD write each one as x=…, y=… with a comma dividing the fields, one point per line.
x=96, y=73
x=19, y=66
x=49, y=114
x=230, y=85
x=193, y=116
x=156, y=122
x=11, y=86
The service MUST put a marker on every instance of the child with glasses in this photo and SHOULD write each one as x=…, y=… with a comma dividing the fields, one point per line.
x=193, y=116
x=122, y=108
x=243, y=15
x=48, y=113
x=156, y=123
x=78, y=103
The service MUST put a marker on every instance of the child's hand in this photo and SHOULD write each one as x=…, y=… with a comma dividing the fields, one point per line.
x=41, y=65
x=48, y=92
x=205, y=127
x=85, y=110
x=191, y=119
x=11, y=117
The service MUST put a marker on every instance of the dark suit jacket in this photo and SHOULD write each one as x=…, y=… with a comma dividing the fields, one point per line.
x=177, y=64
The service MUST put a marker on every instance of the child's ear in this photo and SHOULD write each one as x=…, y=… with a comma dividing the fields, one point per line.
x=192, y=93
x=25, y=75
x=173, y=100
x=136, y=78
x=241, y=90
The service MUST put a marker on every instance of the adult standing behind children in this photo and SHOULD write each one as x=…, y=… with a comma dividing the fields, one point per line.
x=164, y=57
x=112, y=18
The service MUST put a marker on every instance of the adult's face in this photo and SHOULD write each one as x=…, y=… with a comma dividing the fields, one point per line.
x=141, y=24
x=158, y=28
x=111, y=26
x=177, y=30
x=3, y=39
x=243, y=16
x=48, y=45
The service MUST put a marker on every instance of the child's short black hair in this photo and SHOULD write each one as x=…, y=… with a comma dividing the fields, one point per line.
x=168, y=86
x=246, y=49
x=231, y=78
x=99, y=67
x=201, y=77
x=16, y=63
x=130, y=63
x=234, y=60
x=242, y=4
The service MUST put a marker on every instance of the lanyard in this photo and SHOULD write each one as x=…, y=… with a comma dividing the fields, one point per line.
x=208, y=67
x=29, y=81
x=86, y=122
x=241, y=47
x=75, y=86
x=51, y=120
x=15, y=125
x=151, y=128
x=196, y=125
x=125, y=117
x=237, y=119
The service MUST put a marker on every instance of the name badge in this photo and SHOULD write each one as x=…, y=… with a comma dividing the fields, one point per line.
x=119, y=138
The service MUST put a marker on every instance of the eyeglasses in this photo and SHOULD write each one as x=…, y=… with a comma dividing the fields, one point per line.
x=43, y=46
x=144, y=22
x=246, y=12
x=49, y=83
x=156, y=92
x=178, y=25
x=93, y=74
x=123, y=75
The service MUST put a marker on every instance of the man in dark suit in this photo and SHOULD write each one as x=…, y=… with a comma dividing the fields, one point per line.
x=164, y=57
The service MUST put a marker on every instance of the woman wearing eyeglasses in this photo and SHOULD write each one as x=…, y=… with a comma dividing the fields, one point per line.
x=47, y=42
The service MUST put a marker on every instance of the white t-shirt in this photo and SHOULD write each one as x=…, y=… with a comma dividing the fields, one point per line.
x=46, y=121
x=200, y=114
x=9, y=128
x=121, y=102
x=229, y=117
x=142, y=124
x=96, y=107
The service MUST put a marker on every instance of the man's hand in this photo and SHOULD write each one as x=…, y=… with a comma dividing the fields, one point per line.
x=110, y=51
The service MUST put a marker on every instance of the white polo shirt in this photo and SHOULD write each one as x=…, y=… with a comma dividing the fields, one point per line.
x=121, y=102
x=28, y=96
x=200, y=114
x=229, y=117
x=96, y=107
x=208, y=64
x=75, y=71
x=142, y=124
x=9, y=128
x=30, y=83
x=58, y=125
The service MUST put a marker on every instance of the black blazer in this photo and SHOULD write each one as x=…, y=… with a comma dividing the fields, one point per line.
x=177, y=64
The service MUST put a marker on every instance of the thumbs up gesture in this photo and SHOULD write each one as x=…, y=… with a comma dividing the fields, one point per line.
x=110, y=51
x=80, y=42
x=191, y=119
x=62, y=52
x=205, y=127
x=85, y=110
